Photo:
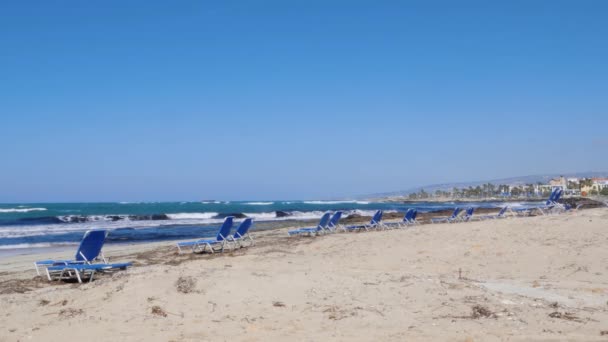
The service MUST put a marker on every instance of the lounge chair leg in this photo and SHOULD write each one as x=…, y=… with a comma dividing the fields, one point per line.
x=78, y=276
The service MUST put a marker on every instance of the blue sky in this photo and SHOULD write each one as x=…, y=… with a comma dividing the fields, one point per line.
x=188, y=100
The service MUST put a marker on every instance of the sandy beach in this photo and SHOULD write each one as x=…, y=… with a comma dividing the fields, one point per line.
x=535, y=278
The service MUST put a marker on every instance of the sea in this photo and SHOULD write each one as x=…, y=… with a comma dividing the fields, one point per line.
x=26, y=228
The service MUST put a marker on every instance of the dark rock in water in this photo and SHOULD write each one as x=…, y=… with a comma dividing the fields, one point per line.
x=77, y=219
x=280, y=213
x=115, y=217
x=153, y=217
x=236, y=215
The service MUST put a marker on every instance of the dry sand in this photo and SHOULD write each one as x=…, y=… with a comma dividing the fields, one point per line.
x=522, y=279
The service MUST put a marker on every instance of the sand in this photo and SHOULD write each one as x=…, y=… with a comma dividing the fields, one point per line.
x=535, y=278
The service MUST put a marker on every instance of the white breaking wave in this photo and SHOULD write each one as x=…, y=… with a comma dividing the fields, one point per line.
x=262, y=216
x=38, y=245
x=191, y=216
x=335, y=202
x=21, y=210
x=259, y=203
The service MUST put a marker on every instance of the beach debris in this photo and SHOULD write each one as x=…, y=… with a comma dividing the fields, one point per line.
x=278, y=304
x=43, y=302
x=336, y=314
x=569, y=316
x=70, y=312
x=603, y=332
x=158, y=311
x=479, y=311
x=185, y=284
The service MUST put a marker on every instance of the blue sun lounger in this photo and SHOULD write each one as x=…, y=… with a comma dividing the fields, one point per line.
x=242, y=233
x=404, y=222
x=78, y=271
x=413, y=218
x=449, y=219
x=468, y=215
x=88, y=251
x=202, y=244
x=501, y=214
x=334, y=222
x=553, y=204
x=314, y=230
x=553, y=197
x=374, y=223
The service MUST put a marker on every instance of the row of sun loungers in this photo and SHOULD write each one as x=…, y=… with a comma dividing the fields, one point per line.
x=89, y=257
x=223, y=238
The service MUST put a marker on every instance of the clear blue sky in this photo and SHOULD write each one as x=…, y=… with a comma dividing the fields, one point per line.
x=188, y=100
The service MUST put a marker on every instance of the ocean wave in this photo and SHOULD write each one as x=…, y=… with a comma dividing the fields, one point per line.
x=186, y=216
x=334, y=202
x=259, y=203
x=21, y=209
x=262, y=216
x=38, y=245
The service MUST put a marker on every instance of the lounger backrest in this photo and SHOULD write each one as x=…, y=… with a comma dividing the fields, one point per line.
x=552, y=196
x=243, y=227
x=335, y=219
x=414, y=214
x=456, y=212
x=91, y=245
x=558, y=195
x=470, y=211
x=225, y=228
x=408, y=215
x=377, y=217
x=324, y=221
x=502, y=211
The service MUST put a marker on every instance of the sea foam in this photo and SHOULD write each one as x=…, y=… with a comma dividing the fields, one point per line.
x=21, y=210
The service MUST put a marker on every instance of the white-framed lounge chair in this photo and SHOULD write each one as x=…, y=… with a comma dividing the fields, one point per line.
x=553, y=197
x=334, y=222
x=319, y=229
x=374, y=223
x=201, y=245
x=242, y=234
x=89, y=251
x=468, y=215
x=404, y=222
x=552, y=205
x=413, y=218
x=449, y=219
x=499, y=215
x=79, y=271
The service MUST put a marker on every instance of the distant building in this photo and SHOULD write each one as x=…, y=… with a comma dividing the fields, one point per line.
x=597, y=184
x=560, y=182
